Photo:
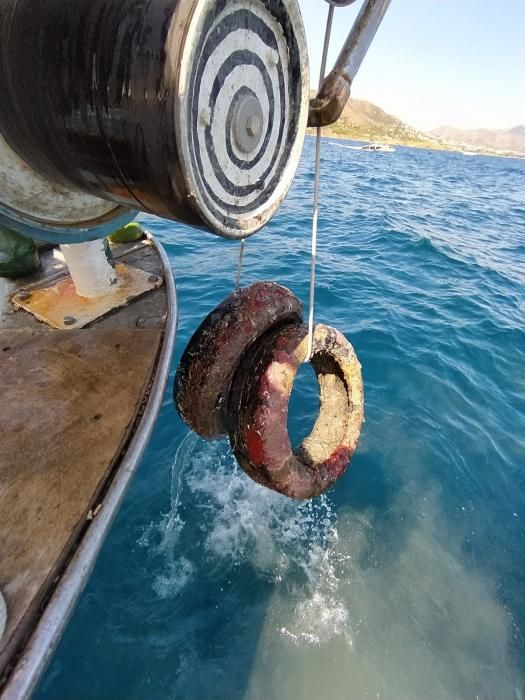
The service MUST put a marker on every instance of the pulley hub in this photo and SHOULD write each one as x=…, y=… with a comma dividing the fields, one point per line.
x=247, y=123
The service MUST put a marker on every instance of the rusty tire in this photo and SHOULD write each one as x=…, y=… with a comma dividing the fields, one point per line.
x=209, y=362
x=259, y=409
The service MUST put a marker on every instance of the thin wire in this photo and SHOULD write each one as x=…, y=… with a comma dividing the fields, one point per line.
x=239, y=265
x=316, y=192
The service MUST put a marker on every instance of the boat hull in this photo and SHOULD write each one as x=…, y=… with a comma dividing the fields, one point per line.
x=59, y=499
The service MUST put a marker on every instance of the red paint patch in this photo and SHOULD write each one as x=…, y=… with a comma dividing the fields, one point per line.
x=254, y=446
x=336, y=464
x=284, y=358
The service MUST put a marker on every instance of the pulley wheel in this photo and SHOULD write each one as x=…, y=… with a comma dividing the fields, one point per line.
x=243, y=109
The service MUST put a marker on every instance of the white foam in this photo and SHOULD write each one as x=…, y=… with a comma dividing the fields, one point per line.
x=170, y=584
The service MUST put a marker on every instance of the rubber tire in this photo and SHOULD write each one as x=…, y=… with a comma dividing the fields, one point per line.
x=209, y=362
x=258, y=411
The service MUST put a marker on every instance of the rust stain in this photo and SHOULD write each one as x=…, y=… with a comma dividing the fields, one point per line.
x=59, y=306
x=255, y=446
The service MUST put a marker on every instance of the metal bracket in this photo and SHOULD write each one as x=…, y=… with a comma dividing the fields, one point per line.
x=59, y=306
x=327, y=105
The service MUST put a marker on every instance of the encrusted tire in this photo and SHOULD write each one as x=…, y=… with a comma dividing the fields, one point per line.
x=209, y=362
x=258, y=411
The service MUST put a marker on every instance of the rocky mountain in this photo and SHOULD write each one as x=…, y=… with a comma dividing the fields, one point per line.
x=497, y=139
x=364, y=121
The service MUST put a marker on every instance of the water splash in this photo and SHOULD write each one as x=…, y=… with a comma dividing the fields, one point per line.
x=291, y=544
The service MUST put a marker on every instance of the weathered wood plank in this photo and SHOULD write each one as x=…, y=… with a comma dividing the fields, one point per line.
x=67, y=402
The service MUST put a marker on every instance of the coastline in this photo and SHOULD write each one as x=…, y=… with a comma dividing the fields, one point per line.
x=338, y=131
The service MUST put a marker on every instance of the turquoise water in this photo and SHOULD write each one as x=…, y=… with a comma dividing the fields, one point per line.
x=407, y=580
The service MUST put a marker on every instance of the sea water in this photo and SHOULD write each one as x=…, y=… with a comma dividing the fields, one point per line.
x=406, y=580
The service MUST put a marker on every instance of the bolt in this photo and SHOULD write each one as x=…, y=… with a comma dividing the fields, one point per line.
x=273, y=57
x=253, y=125
x=205, y=117
x=69, y=320
x=152, y=278
x=24, y=295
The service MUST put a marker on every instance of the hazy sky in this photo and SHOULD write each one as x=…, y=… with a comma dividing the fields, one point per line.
x=436, y=62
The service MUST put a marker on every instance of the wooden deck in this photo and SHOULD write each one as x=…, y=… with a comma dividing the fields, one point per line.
x=69, y=402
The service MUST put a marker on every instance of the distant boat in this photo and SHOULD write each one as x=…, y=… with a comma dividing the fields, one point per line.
x=469, y=153
x=382, y=147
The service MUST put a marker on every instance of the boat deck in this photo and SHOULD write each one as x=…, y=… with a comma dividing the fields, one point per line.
x=70, y=400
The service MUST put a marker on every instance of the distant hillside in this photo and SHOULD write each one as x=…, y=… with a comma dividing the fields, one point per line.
x=497, y=139
x=364, y=121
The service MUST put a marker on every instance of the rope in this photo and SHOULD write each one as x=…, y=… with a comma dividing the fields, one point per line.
x=316, y=192
x=239, y=265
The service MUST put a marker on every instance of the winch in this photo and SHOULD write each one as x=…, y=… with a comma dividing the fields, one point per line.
x=192, y=110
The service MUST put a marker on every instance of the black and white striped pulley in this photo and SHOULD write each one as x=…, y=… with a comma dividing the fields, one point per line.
x=193, y=110
x=243, y=109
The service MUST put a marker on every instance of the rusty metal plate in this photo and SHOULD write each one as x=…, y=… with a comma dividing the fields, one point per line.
x=61, y=307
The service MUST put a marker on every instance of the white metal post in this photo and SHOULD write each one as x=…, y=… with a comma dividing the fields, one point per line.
x=90, y=269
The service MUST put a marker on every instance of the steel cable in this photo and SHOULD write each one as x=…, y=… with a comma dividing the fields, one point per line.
x=316, y=191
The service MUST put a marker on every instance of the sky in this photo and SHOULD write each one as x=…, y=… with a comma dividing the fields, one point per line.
x=435, y=62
